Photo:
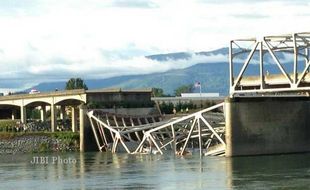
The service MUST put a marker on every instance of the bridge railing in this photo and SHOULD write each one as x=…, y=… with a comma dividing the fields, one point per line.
x=289, y=53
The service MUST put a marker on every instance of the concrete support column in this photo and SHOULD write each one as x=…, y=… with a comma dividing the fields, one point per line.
x=83, y=117
x=228, y=128
x=23, y=116
x=43, y=113
x=74, y=118
x=13, y=114
x=53, y=118
x=63, y=113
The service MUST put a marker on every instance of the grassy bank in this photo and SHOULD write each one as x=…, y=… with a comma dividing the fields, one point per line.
x=39, y=142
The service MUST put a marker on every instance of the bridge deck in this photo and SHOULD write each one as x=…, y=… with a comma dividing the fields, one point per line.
x=274, y=80
x=43, y=94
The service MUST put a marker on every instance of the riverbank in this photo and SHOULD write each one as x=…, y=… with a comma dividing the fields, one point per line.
x=38, y=142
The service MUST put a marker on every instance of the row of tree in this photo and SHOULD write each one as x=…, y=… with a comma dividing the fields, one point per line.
x=78, y=83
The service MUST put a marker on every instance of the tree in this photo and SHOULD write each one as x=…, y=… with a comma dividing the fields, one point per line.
x=76, y=83
x=158, y=92
x=184, y=89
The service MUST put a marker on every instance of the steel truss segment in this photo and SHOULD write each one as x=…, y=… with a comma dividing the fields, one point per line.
x=245, y=65
x=156, y=145
x=296, y=44
x=295, y=59
x=213, y=131
x=90, y=114
x=278, y=63
x=245, y=40
x=231, y=77
x=189, y=135
x=141, y=144
x=261, y=65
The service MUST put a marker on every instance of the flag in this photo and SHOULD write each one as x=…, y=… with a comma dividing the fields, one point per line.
x=197, y=84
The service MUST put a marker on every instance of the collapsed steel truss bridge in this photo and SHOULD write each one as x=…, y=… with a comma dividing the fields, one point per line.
x=120, y=133
x=204, y=130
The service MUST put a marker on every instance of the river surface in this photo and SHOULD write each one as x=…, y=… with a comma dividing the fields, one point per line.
x=123, y=171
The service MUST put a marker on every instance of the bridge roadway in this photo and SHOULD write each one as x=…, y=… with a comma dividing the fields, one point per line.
x=73, y=99
x=61, y=99
x=271, y=83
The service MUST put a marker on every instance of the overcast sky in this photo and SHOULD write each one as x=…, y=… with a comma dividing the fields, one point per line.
x=46, y=40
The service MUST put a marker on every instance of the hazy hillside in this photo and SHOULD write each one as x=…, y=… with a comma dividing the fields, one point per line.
x=213, y=76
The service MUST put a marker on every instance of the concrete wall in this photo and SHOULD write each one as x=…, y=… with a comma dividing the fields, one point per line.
x=266, y=125
x=119, y=96
x=132, y=111
x=195, y=101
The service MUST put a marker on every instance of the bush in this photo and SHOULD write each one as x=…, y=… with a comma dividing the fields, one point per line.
x=7, y=125
x=166, y=108
x=66, y=135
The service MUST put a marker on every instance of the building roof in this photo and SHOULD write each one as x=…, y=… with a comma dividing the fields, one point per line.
x=178, y=98
x=111, y=90
x=198, y=95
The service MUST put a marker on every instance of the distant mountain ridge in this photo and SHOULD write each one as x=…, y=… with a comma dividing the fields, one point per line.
x=168, y=81
x=186, y=55
x=213, y=76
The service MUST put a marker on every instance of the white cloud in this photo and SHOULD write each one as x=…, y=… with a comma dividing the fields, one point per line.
x=48, y=40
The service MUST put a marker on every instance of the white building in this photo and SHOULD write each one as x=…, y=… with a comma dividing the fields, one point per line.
x=198, y=95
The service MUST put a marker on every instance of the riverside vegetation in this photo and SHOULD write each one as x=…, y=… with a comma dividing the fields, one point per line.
x=14, y=141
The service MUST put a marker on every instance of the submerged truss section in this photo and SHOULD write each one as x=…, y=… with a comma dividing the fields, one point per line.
x=186, y=134
x=117, y=132
x=290, y=54
x=202, y=131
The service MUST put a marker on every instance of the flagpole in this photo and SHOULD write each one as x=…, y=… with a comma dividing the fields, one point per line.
x=200, y=94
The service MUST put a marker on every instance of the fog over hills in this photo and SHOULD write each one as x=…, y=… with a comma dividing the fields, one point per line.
x=211, y=69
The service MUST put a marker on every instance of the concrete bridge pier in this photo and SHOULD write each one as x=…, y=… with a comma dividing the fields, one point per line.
x=53, y=118
x=83, y=120
x=14, y=114
x=74, y=113
x=267, y=125
x=63, y=115
x=43, y=113
x=23, y=115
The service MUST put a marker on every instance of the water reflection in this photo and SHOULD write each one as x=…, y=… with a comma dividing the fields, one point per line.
x=124, y=171
x=270, y=172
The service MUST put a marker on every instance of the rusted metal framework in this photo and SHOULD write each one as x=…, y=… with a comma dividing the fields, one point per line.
x=296, y=79
x=118, y=133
